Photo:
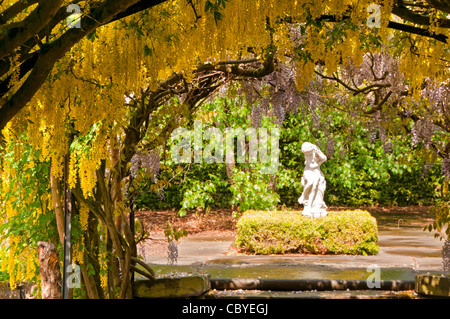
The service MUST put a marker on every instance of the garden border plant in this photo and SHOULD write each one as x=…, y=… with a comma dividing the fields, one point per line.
x=279, y=232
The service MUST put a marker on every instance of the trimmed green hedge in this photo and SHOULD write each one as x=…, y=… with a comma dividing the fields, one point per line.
x=279, y=232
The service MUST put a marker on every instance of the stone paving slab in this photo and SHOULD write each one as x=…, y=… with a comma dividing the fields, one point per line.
x=259, y=294
x=399, y=247
x=405, y=251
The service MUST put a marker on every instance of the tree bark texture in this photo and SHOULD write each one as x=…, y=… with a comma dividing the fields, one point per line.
x=50, y=270
x=59, y=210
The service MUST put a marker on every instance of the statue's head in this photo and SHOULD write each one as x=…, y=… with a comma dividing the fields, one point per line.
x=308, y=148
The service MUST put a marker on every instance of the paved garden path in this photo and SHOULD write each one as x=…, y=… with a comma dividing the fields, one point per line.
x=405, y=250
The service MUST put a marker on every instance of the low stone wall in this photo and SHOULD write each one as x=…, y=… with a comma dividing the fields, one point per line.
x=173, y=286
x=433, y=285
x=307, y=284
x=197, y=285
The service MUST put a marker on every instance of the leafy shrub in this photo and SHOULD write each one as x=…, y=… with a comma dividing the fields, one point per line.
x=362, y=168
x=194, y=186
x=201, y=194
x=252, y=191
x=4, y=276
x=208, y=185
x=280, y=232
x=441, y=212
x=367, y=165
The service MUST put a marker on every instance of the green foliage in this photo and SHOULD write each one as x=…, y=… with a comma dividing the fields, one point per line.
x=207, y=185
x=252, y=191
x=359, y=170
x=3, y=275
x=199, y=195
x=441, y=212
x=216, y=7
x=280, y=232
x=250, y=188
x=167, y=198
x=191, y=186
x=26, y=211
x=172, y=234
x=367, y=164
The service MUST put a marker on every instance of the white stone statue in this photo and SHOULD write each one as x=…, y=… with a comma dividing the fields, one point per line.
x=313, y=182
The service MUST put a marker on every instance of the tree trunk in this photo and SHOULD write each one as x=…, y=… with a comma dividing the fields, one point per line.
x=229, y=167
x=50, y=270
x=89, y=284
x=59, y=212
x=446, y=256
x=116, y=190
x=91, y=258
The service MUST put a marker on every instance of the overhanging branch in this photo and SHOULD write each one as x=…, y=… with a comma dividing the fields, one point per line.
x=16, y=34
x=419, y=31
x=416, y=18
x=395, y=26
x=108, y=11
x=49, y=54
